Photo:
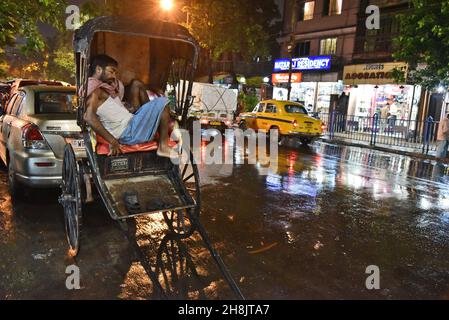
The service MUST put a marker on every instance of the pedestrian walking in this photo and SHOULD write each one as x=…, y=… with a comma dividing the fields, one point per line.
x=443, y=138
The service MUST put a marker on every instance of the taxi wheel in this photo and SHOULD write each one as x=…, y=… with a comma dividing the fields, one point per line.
x=242, y=125
x=305, y=141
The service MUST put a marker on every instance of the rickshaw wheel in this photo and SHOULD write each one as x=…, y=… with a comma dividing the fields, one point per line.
x=183, y=223
x=71, y=199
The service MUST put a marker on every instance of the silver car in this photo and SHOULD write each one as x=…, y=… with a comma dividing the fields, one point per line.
x=35, y=125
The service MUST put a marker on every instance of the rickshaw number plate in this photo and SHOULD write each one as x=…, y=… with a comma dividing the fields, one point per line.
x=119, y=165
x=215, y=123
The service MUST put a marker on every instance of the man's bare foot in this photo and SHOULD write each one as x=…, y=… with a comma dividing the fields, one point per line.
x=165, y=152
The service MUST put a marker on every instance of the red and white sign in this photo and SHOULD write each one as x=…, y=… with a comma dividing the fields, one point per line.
x=283, y=77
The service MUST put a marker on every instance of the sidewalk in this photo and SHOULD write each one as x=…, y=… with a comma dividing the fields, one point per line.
x=411, y=152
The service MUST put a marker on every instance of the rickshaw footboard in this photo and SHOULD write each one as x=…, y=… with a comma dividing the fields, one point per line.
x=146, y=195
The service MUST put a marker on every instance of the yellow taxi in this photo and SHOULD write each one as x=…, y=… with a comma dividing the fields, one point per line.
x=290, y=118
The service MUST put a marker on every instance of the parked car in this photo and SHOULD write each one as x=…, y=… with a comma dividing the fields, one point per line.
x=34, y=128
x=19, y=83
x=290, y=118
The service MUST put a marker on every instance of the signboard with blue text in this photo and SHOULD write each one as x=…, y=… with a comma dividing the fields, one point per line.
x=316, y=63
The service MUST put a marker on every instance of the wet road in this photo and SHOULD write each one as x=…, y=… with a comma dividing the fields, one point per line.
x=307, y=231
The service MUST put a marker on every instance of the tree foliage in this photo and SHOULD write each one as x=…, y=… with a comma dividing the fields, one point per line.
x=424, y=42
x=38, y=56
x=19, y=20
x=232, y=26
x=4, y=66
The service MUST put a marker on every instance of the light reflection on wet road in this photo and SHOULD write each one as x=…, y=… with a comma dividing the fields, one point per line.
x=306, y=231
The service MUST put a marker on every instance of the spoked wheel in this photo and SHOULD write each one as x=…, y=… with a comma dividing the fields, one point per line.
x=71, y=199
x=183, y=222
x=175, y=268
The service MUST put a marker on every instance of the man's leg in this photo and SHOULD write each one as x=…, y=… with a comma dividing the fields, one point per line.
x=136, y=94
x=163, y=131
x=446, y=149
x=442, y=149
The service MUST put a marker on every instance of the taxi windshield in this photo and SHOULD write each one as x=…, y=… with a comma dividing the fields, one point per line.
x=295, y=109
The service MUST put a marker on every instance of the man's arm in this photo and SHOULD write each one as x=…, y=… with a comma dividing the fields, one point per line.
x=92, y=119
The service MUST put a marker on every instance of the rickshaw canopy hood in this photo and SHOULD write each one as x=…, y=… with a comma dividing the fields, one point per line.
x=131, y=26
x=162, y=55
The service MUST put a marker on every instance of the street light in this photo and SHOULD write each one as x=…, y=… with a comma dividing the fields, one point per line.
x=266, y=80
x=290, y=52
x=167, y=5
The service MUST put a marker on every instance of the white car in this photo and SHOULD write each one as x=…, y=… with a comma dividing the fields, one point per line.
x=35, y=126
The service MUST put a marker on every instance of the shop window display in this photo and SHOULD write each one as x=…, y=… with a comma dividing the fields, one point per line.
x=394, y=101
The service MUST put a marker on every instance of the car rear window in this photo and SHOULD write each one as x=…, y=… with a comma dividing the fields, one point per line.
x=295, y=109
x=54, y=102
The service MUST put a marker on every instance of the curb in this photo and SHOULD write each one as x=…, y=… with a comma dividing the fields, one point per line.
x=387, y=150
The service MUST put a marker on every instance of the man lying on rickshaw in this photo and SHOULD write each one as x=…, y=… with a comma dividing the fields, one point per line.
x=118, y=124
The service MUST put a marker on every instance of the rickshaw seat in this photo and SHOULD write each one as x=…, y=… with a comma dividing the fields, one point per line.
x=103, y=146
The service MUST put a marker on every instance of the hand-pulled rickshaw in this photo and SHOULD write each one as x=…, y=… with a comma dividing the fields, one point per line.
x=162, y=55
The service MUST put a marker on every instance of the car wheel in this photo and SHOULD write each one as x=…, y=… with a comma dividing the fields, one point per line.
x=242, y=125
x=14, y=186
x=306, y=141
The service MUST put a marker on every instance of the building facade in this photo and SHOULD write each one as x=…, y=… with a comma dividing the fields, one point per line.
x=362, y=63
x=314, y=29
x=372, y=85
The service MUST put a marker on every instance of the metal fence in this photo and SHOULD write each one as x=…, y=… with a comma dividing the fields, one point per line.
x=418, y=135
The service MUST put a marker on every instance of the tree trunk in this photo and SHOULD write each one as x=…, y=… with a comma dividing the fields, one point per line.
x=210, y=67
x=235, y=82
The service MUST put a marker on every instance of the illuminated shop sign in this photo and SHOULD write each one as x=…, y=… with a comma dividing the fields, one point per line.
x=375, y=73
x=303, y=64
x=283, y=77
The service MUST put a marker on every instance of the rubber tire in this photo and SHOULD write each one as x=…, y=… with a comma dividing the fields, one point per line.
x=305, y=141
x=242, y=125
x=16, y=190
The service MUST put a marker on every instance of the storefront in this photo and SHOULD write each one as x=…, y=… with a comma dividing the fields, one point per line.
x=316, y=96
x=372, y=89
x=316, y=85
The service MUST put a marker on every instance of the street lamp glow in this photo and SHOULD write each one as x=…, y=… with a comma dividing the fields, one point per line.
x=167, y=5
x=266, y=80
x=242, y=80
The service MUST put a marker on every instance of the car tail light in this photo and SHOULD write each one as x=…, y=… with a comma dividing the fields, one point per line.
x=44, y=164
x=204, y=121
x=295, y=124
x=32, y=138
x=323, y=126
